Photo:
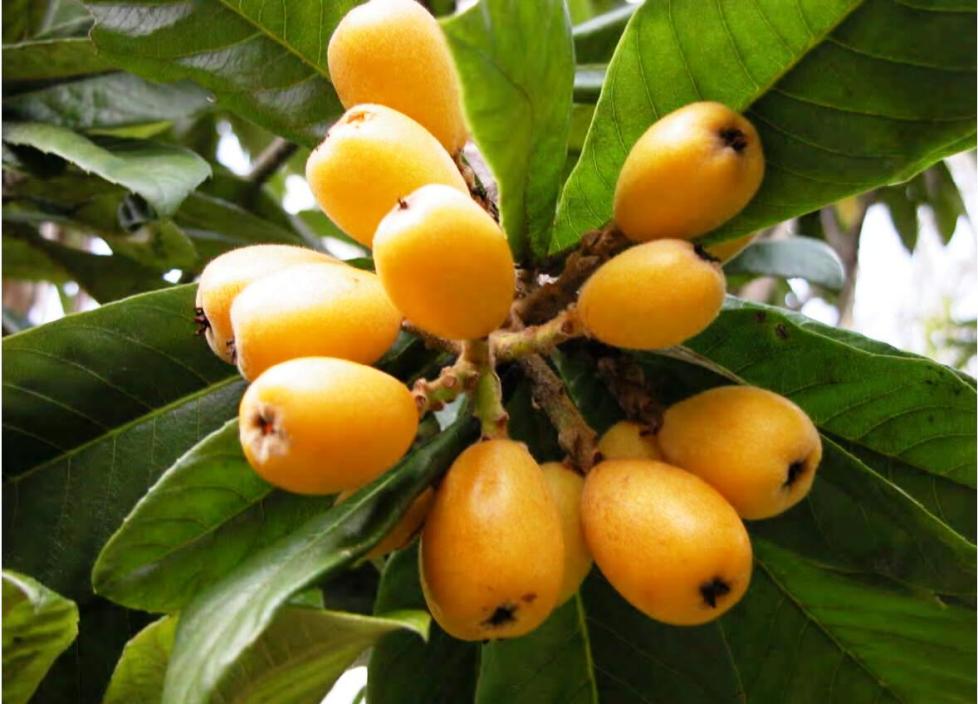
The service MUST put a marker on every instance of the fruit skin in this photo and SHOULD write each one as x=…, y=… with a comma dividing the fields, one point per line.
x=401, y=534
x=746, y=442
x=370, y=158
x=445, y=263
x=312, y=310
x=665, y=540
x=565, y=487
x=393, y=52
x=690, y=172
x=492, y=554
x=226, y=275
x=627, y=440
x=319, y=425
x=653, y=295
x=728, y=249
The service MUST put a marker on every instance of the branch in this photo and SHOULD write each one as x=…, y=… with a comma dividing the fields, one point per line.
x=271, y=160
x=452, y=382
x=509, y=345
x=432, y=342
x=597, y=247
x=625, y=378
x=575, y=436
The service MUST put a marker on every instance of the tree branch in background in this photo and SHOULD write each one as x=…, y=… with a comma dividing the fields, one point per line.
x=844, y=237
x=271, y=160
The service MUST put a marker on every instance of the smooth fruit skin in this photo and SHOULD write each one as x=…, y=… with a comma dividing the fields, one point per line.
x=690, y=172
x=653, y=295
x=225, y=276
x=492, y=554
x=319, y=425
x=370, y=158
x=728, y=249
x=312, y=310
x=627, y=440
x=393, y=52
x=445, y=264
x=405, y=529
x=565, y=487
x=665, y=540
x=757, y=448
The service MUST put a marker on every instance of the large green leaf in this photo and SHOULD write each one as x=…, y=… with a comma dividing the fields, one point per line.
x=96, y=405
x=295, y=661
x=441, y=670
x=206, y=514
x=229, y=616
x=897, y=405
x=264, y=61
x=841, y=106
x=38, y=624
x=108, y=101
x=802, y=257
x=516, y=63
x=51, y=58
x=551, y=664
x=164, y=175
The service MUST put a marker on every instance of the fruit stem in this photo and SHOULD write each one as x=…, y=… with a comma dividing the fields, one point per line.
x=453, y=381
x=432, y=342
x=575, y=436
x=596, y=247
x=488, y=392
x=509, y=345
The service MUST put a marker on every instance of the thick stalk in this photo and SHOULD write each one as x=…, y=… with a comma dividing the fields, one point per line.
x=510, y=345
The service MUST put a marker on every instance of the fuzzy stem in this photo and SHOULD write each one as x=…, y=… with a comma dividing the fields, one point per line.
x=509, y=345
x=575, y=436
x=452, y=382
x=488, y=391
x=597, y=247
x=625, y=379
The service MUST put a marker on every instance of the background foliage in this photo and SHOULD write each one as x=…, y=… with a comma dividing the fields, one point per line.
x=126, y=498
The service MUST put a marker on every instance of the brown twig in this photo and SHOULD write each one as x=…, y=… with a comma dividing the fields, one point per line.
x=597, y=246
x=625, y=378
x=575, y=436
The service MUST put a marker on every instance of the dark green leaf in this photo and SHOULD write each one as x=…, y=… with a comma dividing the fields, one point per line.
x=38, y=624
x=161, y=174
x=595, y=39
x=266, y=62
x=21, y=19
x=229, y=616
x=944, y=199
x=51, y=58
x=516, y=63
x=903, y=213
x=108, y=101
x=206, y=514
x=801, y=257
x=551, y=664
x=295, y=661
x=841, y=106
x=441, y=670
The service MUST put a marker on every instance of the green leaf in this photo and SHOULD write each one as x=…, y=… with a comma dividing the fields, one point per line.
x=264, y=61
x=516, y=63
x=206, y=514
x=944, y=199
x=28, y=256
x=441, y=670
x=108, y=101
x=551, y=664
x=229, y=616
x=164, y=175
x=801, y=257
x=38, y=624
x=297, y=659
x=96, y=405
x=52, y=58
x=22, y=19
x=903, y=213
x=840, y=106
x=897, y=405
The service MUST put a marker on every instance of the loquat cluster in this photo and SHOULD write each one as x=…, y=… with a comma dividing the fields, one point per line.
x=505, y=540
